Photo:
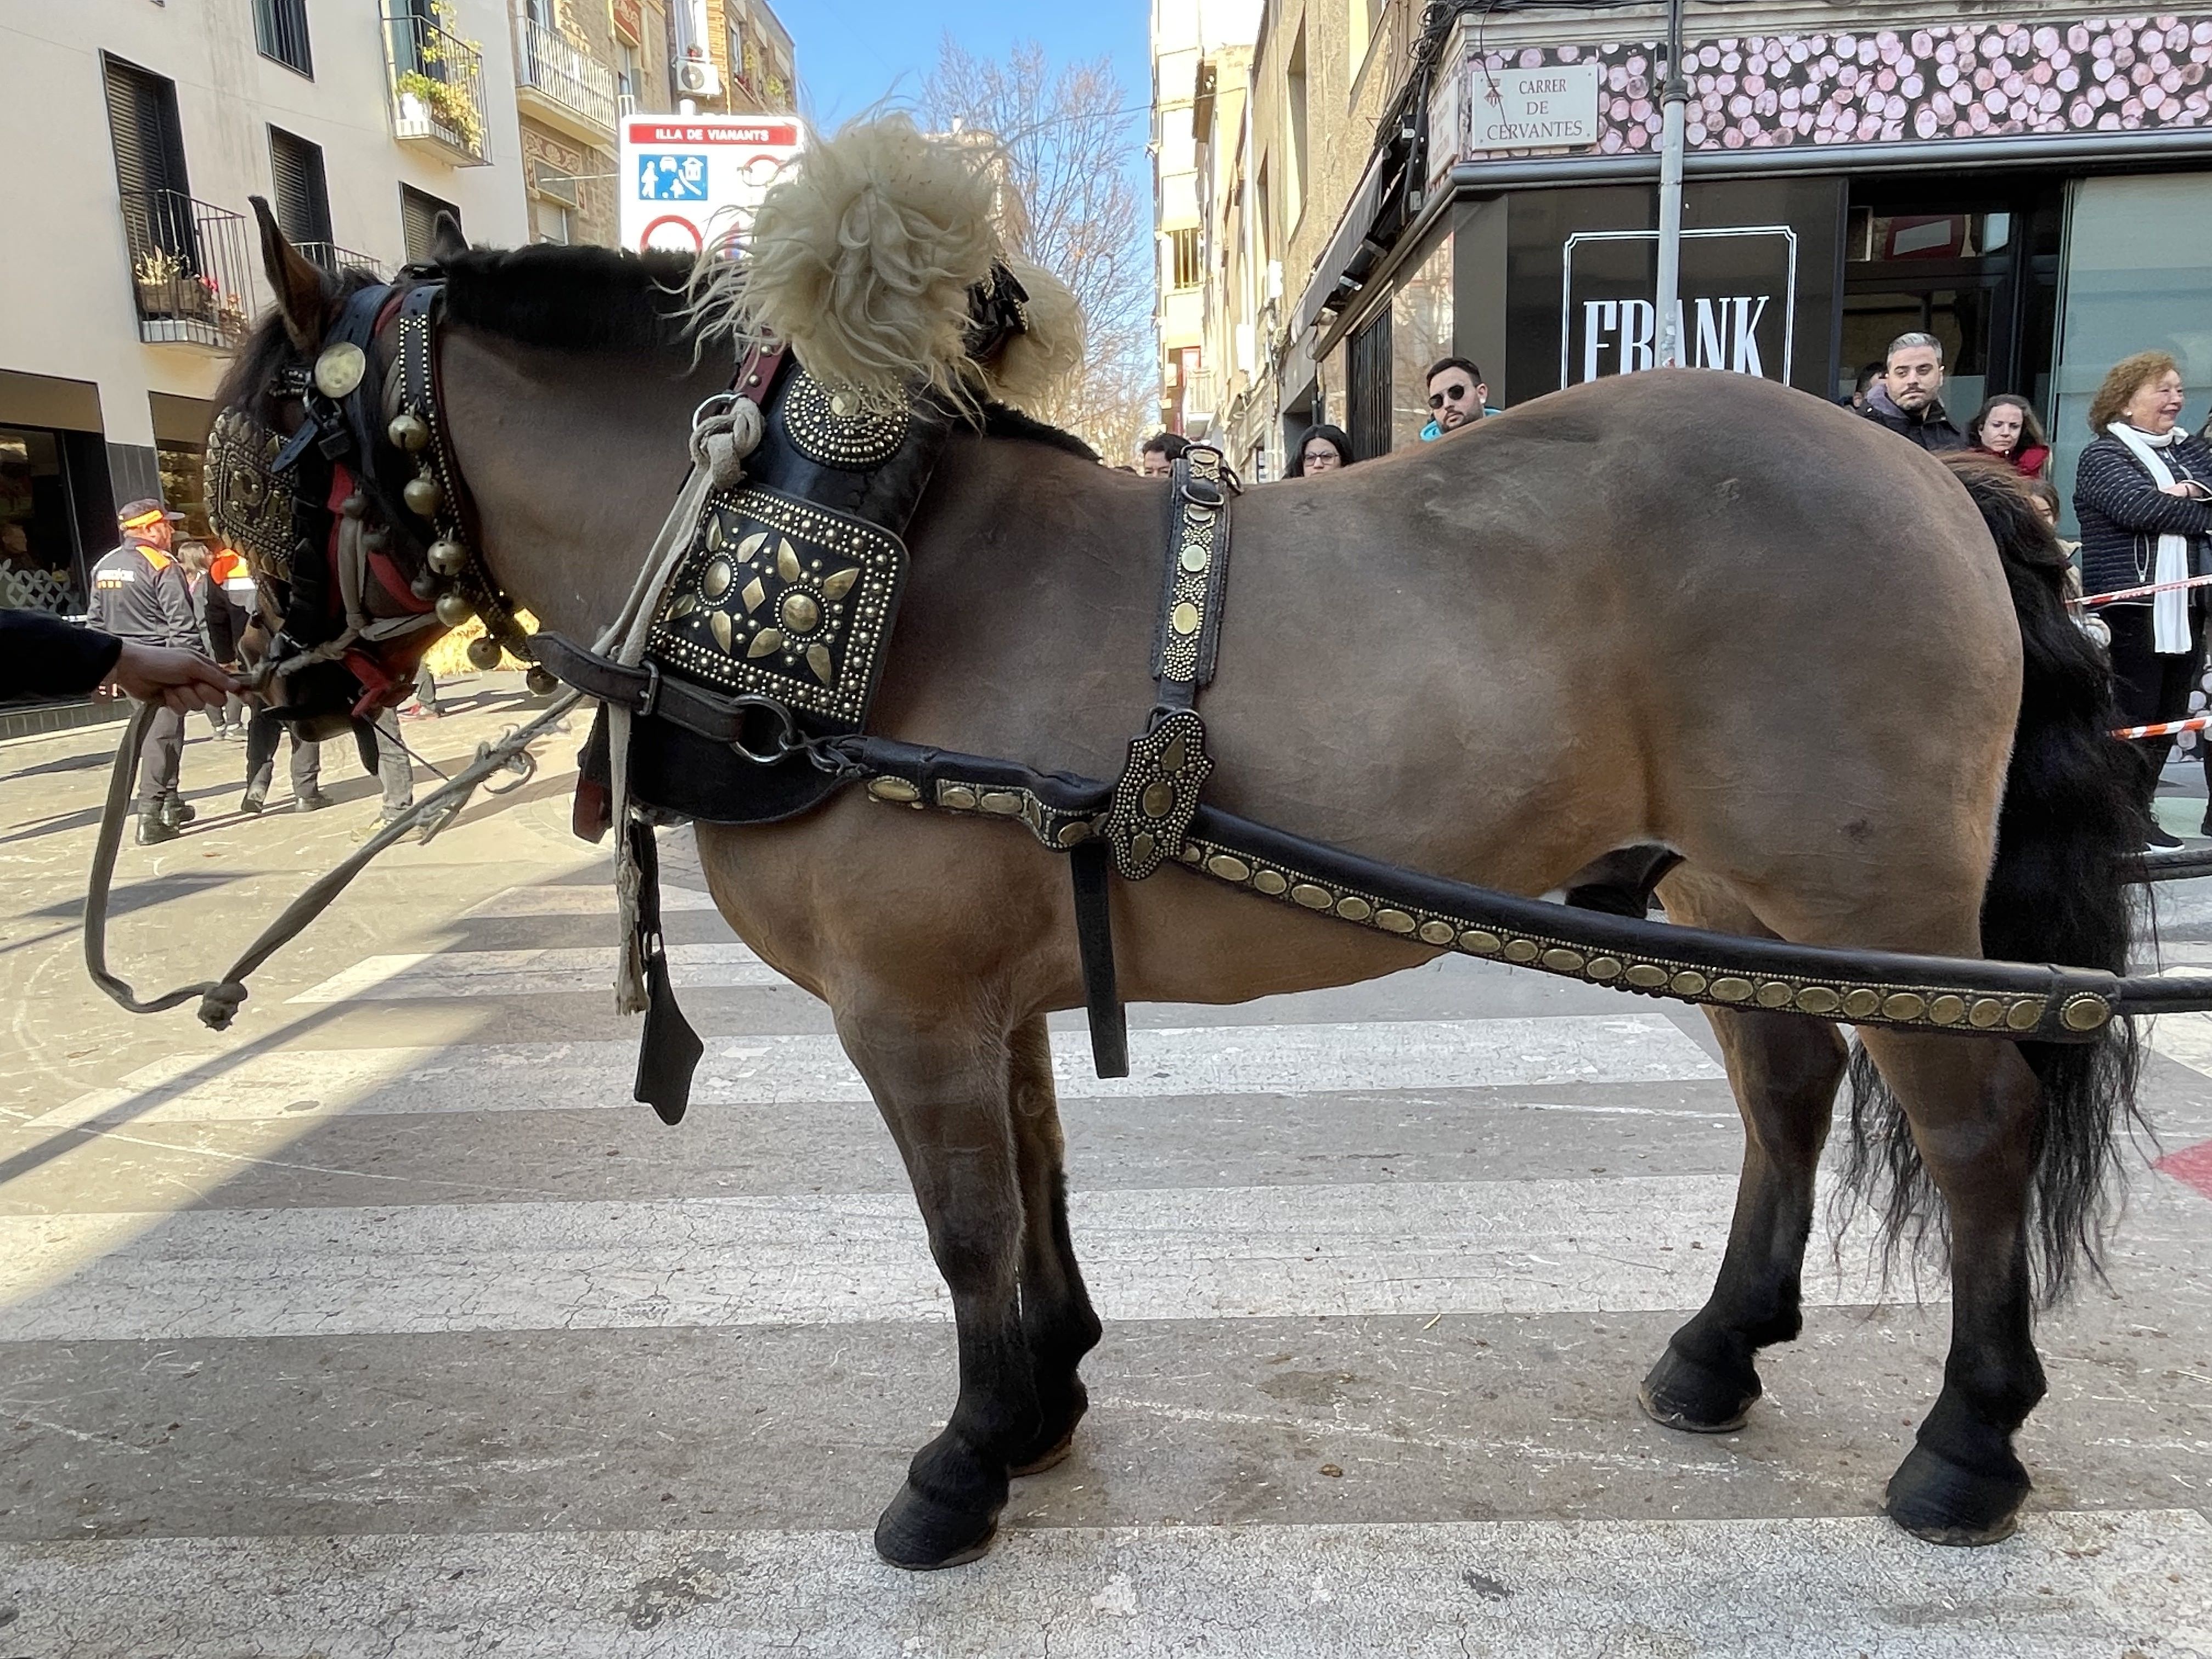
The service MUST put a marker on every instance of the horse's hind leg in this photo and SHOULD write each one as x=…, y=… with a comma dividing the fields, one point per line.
x=1973, y=1107
x=941, y=1084
x=1057, y=1319
x=1784, y=1069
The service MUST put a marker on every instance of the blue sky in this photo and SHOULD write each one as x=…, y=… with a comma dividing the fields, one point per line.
x=853, y=52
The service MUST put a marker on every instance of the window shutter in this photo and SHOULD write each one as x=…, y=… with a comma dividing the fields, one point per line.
x=142, y=116
x=418, y=217
x=302, y=195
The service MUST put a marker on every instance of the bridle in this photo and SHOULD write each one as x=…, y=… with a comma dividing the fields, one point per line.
x=356, y=519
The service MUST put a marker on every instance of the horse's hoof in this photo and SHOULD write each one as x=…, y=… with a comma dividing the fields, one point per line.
x=920, y=1535
x=1680, y=1393
x=1939, y=1502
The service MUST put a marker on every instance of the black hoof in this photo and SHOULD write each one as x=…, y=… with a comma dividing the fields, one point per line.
x=1057, y=1438
x=1941, y=1502
x=1680, y=1393
x=920, y=1535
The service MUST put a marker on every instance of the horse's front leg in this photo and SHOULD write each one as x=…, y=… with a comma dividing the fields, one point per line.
x=1056, y=1313
x=941, y=1082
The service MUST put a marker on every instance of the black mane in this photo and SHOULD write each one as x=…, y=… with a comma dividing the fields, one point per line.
x=582, y=299
x=1000, y=421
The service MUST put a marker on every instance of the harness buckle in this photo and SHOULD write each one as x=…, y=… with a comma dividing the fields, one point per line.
x=650, y=696
x=786, y=738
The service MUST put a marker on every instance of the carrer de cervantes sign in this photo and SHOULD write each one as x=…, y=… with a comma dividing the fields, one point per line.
x=1737, y=306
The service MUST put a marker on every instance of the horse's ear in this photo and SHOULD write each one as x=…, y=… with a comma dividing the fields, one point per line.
x=294, y=280
x=447, y=242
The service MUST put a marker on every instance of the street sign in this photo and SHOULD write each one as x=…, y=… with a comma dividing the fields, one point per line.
x=689, y=181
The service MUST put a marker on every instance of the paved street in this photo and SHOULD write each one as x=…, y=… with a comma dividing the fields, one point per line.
x=386, y=1324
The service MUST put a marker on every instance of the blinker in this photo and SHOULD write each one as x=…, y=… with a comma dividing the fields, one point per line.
x=340, y=370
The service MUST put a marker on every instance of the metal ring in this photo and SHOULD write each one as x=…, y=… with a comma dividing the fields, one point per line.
x=717, y=403
x=787, y=738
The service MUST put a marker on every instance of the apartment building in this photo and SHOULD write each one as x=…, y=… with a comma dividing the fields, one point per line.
x=734, y=58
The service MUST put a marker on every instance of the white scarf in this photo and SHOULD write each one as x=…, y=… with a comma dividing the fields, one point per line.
x=2169, y=614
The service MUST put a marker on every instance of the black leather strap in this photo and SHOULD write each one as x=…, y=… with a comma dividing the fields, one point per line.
x=745, y=723
x=1094, y=942
x=668, y=1050
x=1195, y=581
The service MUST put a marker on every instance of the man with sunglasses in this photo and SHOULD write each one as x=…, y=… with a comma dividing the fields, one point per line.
x=1457, y=396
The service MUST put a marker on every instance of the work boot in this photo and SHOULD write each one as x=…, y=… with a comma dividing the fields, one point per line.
x=154, y=828
x=313, y=801
x=177, y=811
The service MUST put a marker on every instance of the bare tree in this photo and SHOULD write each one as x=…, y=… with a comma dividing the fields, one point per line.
x=1071, y=151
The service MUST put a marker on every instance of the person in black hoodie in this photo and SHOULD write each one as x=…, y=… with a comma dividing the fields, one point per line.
x=43, y=656
x=1905, y=398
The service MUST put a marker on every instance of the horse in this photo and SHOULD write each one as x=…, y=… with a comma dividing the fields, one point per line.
x=1685, y=610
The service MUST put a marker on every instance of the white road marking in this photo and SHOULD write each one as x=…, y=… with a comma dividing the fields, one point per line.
x=1364, y=1057
x=2068, y=1585
x=437, y=976
x=1625, y=1245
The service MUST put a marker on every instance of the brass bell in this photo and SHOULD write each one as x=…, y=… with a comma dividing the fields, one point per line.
x=454, y=609
x=409, y=432
x=483, y=653
x=448, y=557
x=377, y=540
x=354, y=505
x=425, y=585
x=540, y=682
x=423, y=496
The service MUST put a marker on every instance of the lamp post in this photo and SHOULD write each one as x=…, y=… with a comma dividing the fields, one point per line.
x=1674, y=95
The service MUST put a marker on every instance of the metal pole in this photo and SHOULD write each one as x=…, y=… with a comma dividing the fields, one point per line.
x=1675, y=95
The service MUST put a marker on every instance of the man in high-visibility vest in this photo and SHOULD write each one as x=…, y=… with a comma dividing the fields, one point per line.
x=139, y=594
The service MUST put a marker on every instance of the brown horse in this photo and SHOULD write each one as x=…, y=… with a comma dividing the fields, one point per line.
x=1685, y=610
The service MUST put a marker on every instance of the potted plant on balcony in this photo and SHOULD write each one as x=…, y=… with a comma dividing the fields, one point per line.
x=159, y=278
x=428, y=95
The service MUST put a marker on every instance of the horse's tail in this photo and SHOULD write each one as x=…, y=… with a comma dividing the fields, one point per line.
x=2069, y=841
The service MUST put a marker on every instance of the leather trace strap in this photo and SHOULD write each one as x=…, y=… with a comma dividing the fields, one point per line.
x=1189, y=636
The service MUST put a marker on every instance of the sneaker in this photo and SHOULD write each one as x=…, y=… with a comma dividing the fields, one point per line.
x=314, y=803
x=251, y=804
x=2160, y=840
x=153, y=828
x=178, y=811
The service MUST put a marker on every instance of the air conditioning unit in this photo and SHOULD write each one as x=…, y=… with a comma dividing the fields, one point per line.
x=551, y=185
x=696, y=78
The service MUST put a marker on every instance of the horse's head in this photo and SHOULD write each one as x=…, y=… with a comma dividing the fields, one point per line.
x=324, y=467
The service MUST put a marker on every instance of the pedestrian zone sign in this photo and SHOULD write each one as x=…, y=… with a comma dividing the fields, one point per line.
x=690, y=182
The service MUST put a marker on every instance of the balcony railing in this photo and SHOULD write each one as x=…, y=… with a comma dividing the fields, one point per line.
x=333, y=258
x=564, y=74
x=191, y=269
x=436, y=85
x=1201, y=391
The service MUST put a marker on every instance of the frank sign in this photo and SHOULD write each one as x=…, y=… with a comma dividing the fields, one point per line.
x=689, y=182
x=1736, y=310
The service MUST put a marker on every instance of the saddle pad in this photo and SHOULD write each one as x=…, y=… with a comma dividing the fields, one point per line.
x=782, y=598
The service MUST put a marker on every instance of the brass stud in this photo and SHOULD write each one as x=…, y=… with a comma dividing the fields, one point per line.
x=1158, y=800
x=718, y=623
x=1071, y=833
x=767, y=640
x=715, y=581
x=1270, y=882
x=1001, y=803
x=1644, y=976
x=1436, y=932
x=409, y=432
x=340, y=370
x=753, y=596
x=2085, y=1013
x=423, y=496
x=1903, y=1005
x=1313, y=897
x=787, y=562
x=1688, y=983
x=1228, y=868
x=1184, y=618
x=1141, y=845
x=454, y=609
x=1602, y=968
x=2025, y=1014
x=715, y=533
x=1729, y=988
x=1173, y=756
x=1481, y=941
x=1862, y=1002
x=1946, y=1010
x=818, y=659
x=448, y=557
x=1353, y=908
x=958, y=796
x=1773, y=993
x=1565, y=962
x=751, y=545
x=799, y=612
x=897, y=789
x=1819, y=999
x=1521, y=949
x=1393, y=921
x=1194, y=558
x=1986, y=1012
x=839, y=583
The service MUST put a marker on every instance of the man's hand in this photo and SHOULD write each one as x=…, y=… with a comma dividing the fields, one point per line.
x=183, y=680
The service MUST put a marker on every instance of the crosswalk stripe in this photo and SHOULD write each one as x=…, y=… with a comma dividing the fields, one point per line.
x=1630, y=1244
x=1363, y=1056
x=443, y=974
x=2071, y=1583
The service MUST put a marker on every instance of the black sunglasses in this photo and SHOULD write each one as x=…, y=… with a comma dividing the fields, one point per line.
x=1449, y=394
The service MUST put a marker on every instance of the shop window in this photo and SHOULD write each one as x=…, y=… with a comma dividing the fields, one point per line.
x=1420, y=332
x=1367, y=396
x=183, y=467
x=38, y=530
x=1187, y=272
x=418, y=218
x=280, y=30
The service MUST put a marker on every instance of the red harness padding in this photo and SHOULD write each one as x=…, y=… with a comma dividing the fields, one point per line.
x=385, y=669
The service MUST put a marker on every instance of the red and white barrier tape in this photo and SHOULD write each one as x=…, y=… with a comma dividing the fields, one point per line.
x=2095, y=599
x=2164, y=728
